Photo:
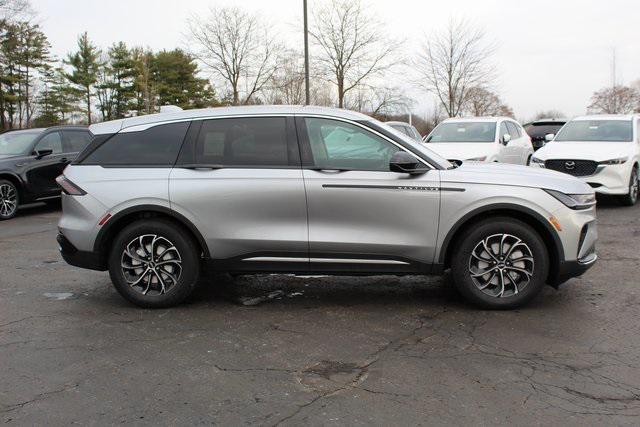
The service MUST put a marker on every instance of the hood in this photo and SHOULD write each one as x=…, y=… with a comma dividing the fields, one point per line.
x=463, y=150
x=515, y=175
x=7, y=157
x=580, y=150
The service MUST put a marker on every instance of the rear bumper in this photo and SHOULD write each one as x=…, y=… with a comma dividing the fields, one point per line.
x=82, y=259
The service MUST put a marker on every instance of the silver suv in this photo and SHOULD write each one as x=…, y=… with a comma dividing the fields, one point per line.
x=155, y=199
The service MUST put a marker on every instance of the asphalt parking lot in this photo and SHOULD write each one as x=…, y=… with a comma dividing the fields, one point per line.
x=273, y=350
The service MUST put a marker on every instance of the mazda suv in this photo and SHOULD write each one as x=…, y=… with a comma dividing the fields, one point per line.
x=157, y=199
x=602, y=150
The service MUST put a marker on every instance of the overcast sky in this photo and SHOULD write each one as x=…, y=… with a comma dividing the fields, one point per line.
x=552, y=54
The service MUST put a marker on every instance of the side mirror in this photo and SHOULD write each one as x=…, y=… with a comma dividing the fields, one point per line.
x=505, y=139
x=549, y=137
x=42, y=153
x=403, y=162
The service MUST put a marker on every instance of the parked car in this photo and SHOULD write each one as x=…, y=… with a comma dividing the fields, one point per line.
x=30, y=161
x=602, y=150
x=482, y=139
x=542, y=130
x=406, y=129
x=154, y=199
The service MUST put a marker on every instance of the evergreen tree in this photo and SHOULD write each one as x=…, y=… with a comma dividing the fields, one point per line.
x=24, y=55
x=116, y=86
x=144, y=85
x=85, y=66
x=175, y=76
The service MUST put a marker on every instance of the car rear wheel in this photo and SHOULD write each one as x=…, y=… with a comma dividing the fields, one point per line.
x=501, y=263
x=9, y=199
x=631, y=198
x=154, y=264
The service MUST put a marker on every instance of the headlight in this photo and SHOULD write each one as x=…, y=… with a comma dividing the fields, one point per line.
x=537, y=161
x=574, y=201
x=478, y=159
x=618, y=161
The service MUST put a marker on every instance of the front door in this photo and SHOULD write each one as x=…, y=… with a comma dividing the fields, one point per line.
x=42, y=172
x=362, y=216
x=239, y=181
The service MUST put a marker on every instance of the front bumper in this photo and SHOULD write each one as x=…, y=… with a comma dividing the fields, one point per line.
x=570, y=269
x=82, y=259
x=607, y=179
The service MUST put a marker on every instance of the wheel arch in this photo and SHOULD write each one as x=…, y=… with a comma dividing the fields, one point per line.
x=15, y=180
x=535, y=220
x=127, y=216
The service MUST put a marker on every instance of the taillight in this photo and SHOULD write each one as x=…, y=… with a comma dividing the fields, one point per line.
x=69, y=187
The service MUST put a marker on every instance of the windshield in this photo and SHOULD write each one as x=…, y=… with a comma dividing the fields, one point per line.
x=16, y=143
x=596, y=130
x=464, y=132
x=540, y=130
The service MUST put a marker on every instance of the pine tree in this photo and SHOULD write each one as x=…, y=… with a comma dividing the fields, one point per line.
x=175, y=74
x=85, y=66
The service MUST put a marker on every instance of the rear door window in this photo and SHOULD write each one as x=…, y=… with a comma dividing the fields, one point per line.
x=156, y=146
x=243, y=142
x=76, y=140
x=513, y=130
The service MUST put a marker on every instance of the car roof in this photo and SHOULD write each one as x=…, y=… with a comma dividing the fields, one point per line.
x=398, y=123
x=477, y=119
x=592, y=117
x=79, y=127
x=117, y=125
x=548, y=121
x=23, y=130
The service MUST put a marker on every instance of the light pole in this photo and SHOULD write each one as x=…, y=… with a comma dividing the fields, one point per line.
x=306, y=54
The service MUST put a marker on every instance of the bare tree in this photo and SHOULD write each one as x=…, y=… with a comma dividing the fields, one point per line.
x=549, y=114
x=380, y=101
x=238, y=47
x=14, y=8
x=614, y=100
x=480, y=101
x=452, y=62
x=351, y=46
x=286, y=85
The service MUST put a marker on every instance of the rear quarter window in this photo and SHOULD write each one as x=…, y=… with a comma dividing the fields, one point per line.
x=156, y=146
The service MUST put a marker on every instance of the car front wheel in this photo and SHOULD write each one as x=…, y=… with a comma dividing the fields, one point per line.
x=9, y=199
x=631, y=198
x=501, y=263
x=154, y=264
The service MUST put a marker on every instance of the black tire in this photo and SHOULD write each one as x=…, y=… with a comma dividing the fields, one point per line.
x=463, y=262
x=167, y=234
x=529, y=160
x=631, y=198
x=9, y=199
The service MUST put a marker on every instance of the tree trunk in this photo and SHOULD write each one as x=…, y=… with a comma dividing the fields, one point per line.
x=88, y=106
x=340, y=93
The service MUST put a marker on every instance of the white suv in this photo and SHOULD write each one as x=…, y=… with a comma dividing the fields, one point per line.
x=602, y=150
x=483, y=139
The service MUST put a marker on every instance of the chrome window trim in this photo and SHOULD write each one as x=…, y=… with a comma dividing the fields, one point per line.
x=138, y=128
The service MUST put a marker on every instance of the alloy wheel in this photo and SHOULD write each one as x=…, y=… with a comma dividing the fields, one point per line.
x=8, y=200
x=151, y=264
x=501, y=265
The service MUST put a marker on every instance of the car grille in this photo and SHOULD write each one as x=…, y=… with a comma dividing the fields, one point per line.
x=573, y=167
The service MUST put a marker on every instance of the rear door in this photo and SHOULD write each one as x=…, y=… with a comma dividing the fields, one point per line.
x=512, y=151
x=362, y=216
x=74, y=141
x=239, y=180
